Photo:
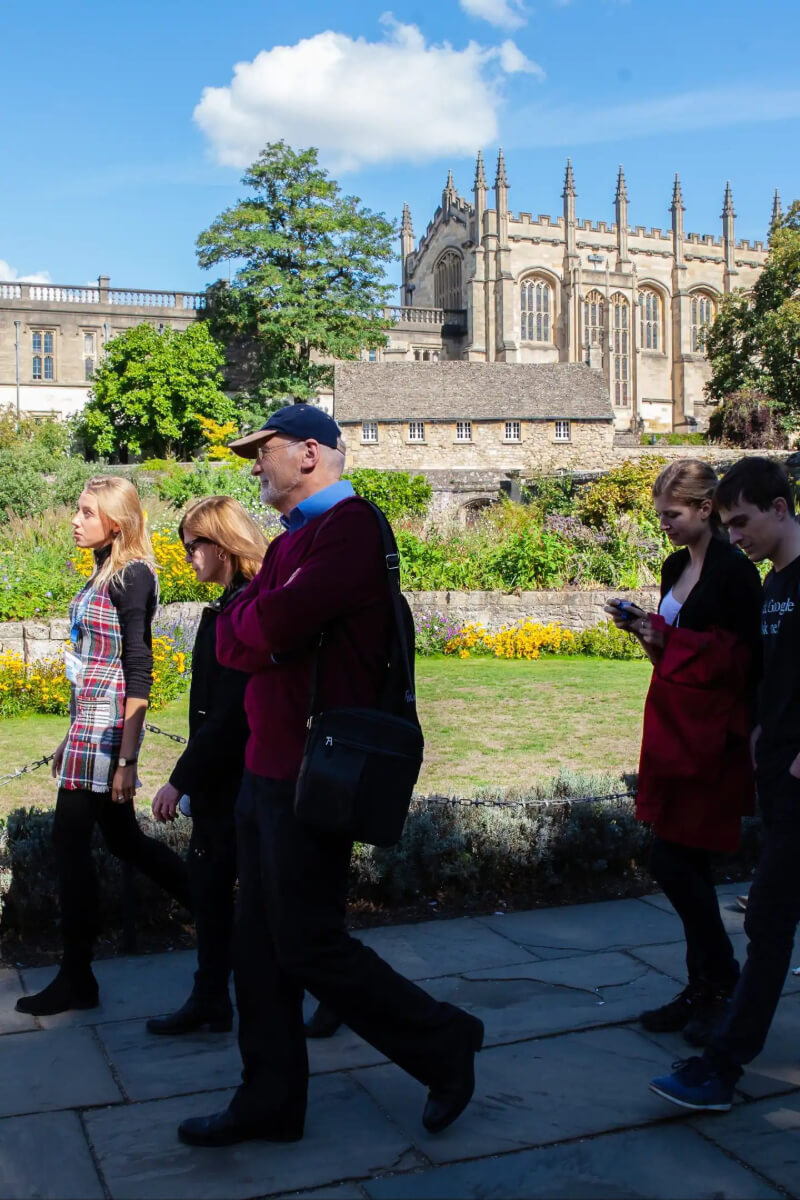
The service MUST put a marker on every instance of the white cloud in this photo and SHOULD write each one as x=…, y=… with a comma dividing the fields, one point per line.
x=9, y=274
x=512, y=60
x=506, y=14
x=360, y=102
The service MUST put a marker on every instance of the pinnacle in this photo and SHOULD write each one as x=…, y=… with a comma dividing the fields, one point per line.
x=677, y=195
x=569, y=180
x=622, y=191
x=480, y=177
x=727, y=205
x=777, y=209
x=406, y=225
x=500, y=179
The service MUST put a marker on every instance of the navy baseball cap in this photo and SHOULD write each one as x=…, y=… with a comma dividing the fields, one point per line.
x=299, y=421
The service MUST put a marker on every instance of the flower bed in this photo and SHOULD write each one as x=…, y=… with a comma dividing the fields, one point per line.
x=42, y=687
x=435, y=634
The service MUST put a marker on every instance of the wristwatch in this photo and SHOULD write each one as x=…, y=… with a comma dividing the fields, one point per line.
x=126, y=762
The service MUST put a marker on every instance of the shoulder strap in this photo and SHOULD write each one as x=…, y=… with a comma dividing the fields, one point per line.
x=391, y=556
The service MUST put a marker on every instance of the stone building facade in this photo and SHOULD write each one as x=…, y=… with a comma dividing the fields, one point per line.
x=510, y=419
x=52, y=337
x=487, y=285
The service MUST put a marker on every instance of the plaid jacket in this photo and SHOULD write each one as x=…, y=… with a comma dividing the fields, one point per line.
x=97, y=704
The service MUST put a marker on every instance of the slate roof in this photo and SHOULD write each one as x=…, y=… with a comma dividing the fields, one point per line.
x=466, y=390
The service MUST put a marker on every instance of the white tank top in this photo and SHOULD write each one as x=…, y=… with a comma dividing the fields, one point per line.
x=669, y=608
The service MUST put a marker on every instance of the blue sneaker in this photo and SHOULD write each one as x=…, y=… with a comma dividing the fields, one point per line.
x=694, y=1084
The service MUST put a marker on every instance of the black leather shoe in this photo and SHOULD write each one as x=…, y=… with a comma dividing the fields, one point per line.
x=195, y=1014
x=448, y=1100
x=323, y=1023
x=225, y=1129
x=64, y=993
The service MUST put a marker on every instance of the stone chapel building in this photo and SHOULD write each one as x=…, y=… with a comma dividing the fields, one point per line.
x=487, y=285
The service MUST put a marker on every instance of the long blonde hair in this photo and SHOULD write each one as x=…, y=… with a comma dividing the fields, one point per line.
x=223, y=521
x=119, y=504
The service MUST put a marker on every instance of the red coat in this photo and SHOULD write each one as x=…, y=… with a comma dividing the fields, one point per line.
x=695, y=776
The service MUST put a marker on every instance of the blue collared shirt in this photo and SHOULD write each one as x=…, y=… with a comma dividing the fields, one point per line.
x=316, y=505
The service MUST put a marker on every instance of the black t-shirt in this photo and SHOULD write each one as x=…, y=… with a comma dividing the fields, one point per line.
x=779, y=699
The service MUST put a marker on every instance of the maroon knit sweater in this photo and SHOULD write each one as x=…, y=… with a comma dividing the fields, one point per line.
x=329, y=574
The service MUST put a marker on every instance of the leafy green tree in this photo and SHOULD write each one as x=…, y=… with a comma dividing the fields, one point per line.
x=754, y=343
x=310, y=283
x=396, y=492
x=150, y=391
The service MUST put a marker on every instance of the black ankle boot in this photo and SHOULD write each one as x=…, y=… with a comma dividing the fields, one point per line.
x=67, y=991
x=323, y=1023
x=195, y=1014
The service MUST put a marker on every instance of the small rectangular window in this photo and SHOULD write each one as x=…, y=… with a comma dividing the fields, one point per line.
x=42, y=358
x=416, y=431
x=48, y=367
x=369, y=431
x=88, y=343
x=513, y=431
x=562, y=431
x=37, y=366
x=36, y=342
x=372, y=356
x=463, y=431
x=88, y=368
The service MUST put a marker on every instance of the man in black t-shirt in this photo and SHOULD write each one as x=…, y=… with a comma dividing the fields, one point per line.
x=755, y=502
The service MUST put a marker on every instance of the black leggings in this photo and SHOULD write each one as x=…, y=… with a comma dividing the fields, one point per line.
x=212, y=878
x=684, y=873
x=77, y=811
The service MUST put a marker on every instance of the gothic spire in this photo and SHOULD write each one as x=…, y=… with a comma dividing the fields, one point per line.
x=622, y=191
x=406, y=226
x=677, y=196
x=727, y=205
x=500, y=178
x=480, y=177
x=450, y=186
x=777, y=210
x=569, y=181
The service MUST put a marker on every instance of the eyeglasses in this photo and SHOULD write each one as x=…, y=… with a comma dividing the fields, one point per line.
x=265, y=450
x=190, y=547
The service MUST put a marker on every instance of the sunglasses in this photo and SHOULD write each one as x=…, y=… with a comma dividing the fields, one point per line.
x=190, y=547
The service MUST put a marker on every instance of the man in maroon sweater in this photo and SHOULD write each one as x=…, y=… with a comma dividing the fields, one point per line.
x=325, y=571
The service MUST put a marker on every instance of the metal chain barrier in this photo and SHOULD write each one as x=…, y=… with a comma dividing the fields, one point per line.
x=454, y=800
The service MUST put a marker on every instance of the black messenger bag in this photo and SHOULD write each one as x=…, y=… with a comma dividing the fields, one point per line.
x=360, y=765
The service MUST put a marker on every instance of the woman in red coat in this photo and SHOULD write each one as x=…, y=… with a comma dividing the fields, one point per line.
x=695, y=776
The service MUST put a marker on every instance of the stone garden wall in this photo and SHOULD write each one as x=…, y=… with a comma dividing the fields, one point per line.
x=572, y=608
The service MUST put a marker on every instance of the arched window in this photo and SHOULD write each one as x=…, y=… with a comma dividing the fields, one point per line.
x=594, y=316
x=536, y=305
x=702, y=317
x=447, y=292
x=650, y=319
x=620, y=349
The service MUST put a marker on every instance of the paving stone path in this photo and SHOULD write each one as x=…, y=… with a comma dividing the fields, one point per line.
x=89, y=1102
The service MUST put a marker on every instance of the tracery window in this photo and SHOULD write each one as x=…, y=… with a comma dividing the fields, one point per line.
x=447, y=282
x=650, y=322
x=702, y=317
x=620, y=349
x=536, y=306
x=594, y=316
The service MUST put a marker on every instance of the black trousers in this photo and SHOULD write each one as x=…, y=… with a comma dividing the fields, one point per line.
x=684, y=875
x=76, y=813
x=211, y=863
x=290, y=934
x=772, y=916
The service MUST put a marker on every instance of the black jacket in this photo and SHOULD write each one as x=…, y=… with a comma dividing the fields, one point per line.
x=727, y=594
x=210, y=768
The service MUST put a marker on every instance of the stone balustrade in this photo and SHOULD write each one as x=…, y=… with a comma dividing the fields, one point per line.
x=103, y=294
x=407, y=314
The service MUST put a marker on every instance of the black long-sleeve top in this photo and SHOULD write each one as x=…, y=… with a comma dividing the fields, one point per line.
x=134, y=598
x=211, y=765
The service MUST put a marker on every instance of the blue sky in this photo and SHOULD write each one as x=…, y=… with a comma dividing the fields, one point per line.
x=125, y=127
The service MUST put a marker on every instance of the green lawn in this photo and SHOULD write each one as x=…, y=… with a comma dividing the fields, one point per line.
x=487, y=722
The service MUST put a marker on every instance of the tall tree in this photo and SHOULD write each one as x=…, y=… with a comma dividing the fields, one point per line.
x=754, y=343
x=152, y=389
x=311, y=281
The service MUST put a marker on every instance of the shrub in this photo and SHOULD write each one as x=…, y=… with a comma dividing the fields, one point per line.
x=36, y=575
x=749, y=419
x=180, y=485
x=625, y=489
x=396, y=492
x=604, y=640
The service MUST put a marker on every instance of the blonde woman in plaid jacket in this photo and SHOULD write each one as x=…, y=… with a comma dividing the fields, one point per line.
x=110, y=667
